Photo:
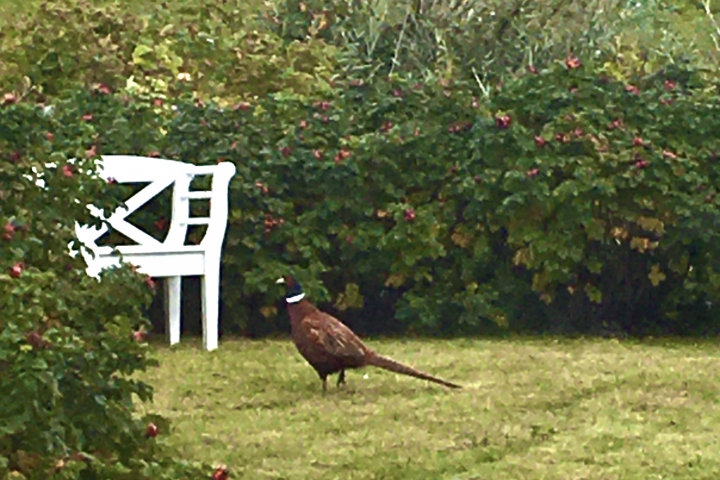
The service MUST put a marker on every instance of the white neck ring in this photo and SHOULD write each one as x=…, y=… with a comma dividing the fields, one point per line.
x=295, y=299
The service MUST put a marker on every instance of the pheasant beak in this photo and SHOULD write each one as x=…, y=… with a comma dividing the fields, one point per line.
x=280, y=280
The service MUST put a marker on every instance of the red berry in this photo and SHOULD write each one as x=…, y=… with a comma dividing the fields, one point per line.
x=17, y=270
x=616, y=124
x=572, y=62
x=138, y=336
x=14, y=156
x=503, y=122
x=221, y=473
x=150, y=282
x=540, y=141
x=8, y=231
x=49, y=136
x=111, y=181
x=10, y=98
x=638, y=142
x=633, y=89
x=87, y=117
x=36, y=340
x=242, y=106
x=642, y=163
x=151, y=431
x=409, y=215
x=286, y=151
x=533, y=172
x=669, y=85
x=67, y=170
x=102, y=88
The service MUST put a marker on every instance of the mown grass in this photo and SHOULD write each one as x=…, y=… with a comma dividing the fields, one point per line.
x=530, y=409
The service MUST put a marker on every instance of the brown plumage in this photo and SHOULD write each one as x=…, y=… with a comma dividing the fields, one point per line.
x=329, y=346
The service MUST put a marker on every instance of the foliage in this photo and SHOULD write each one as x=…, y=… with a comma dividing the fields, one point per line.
x=240, y=49
x=68, y=343
x=565, y=183
x=426, y=166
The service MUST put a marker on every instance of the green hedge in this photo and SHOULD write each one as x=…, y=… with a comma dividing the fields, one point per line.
x=69, y=345
x=566, y=201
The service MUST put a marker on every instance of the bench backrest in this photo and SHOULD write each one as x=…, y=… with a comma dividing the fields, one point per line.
x=162, y=173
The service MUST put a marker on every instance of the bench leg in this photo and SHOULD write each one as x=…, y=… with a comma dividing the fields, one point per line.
x=173, y=289
x=210, y=307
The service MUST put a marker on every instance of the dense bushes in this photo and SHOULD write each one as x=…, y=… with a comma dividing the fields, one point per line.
x=393, y=158
x=68, y=343
x=567, y=201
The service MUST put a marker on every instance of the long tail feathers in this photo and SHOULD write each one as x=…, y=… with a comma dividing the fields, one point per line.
x=397, y=367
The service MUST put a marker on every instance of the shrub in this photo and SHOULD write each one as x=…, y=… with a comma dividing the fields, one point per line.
x=69, y=344
x=453, y=211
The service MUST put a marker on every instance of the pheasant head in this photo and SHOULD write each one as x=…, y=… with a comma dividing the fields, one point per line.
x=293, y=290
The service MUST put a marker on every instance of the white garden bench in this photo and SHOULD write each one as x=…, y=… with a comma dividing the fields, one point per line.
x=171, y=258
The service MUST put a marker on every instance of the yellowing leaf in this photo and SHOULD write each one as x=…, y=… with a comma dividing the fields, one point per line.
x=546, y=298
x=459, y=239
x=619, y=232
x=499, y=319
x=651, y=224
x=539, y=282
x=382, y=213
x=395, y=280
x=656, y=275
x=351, y=298
x=641, y=244
x=269, y=311
x=522, y=256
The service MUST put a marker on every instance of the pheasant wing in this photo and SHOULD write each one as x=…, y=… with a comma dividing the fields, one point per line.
x=337, y=339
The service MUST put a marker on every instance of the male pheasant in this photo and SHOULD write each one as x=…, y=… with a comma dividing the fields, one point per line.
x=329, y=346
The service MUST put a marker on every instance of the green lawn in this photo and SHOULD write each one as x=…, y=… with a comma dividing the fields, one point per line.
x=531, y=409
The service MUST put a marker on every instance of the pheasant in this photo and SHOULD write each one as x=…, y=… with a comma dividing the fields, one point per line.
x=329, y=346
